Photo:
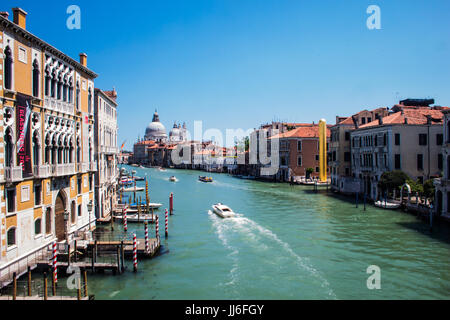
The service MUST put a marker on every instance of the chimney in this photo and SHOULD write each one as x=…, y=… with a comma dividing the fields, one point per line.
x=381, y=121
x=4, y=14
x=83, y=59
x=406, y=120
x=20, y=17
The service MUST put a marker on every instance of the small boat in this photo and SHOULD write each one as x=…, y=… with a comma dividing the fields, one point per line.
x=134, y=189
x=223, y=211
x=138, y=218
x=387, y=205
x=126, y=182
x=205, y=179
x=135, y=165
x=162, y=169
x=143, y=205
x=139, y=179
x=173, y=179
x=133, y=172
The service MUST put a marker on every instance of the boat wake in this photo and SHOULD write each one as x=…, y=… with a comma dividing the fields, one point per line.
x=257, y=236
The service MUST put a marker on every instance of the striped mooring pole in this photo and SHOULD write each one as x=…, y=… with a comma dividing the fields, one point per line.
x=134, y=253
x=147, y=249
x=125, y=224
x=171, y=203
x=157, y=226
x=55, y=263
x=167, y=223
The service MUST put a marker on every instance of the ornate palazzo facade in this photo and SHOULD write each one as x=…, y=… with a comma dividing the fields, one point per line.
x=47, y=159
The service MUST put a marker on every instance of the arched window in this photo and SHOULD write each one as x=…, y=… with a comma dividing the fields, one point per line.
x=9, y=147
x=448, y=131
x=47, y=149
x=448, y=167
x=36, y=73
x=8, y=62
x=38, y=227
x=77, y=97
x=11, y=237
x=47, y=81
x=48, y=221
x=65, y=86
x=53, y=84
x=73, y=212
x=59, y=87
x=70, y=91
x=78, y=151
x=90, y=100
x=36, y=148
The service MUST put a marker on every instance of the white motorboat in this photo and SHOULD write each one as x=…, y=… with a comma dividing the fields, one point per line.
x=223, y=211
x=173, y=179
x=143, y=205
x=138, y=218
x=134, y=189
x=387, y=205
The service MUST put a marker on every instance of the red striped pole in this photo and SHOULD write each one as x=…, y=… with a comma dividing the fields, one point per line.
x=157, y=226
x=134, y=253
x=167, y=224
x=147, y=249
x=171, y=203
x=125, y=223
x=55, y=264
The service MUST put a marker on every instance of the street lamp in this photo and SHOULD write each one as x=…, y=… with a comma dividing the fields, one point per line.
x=66, y=229
x=89, y=207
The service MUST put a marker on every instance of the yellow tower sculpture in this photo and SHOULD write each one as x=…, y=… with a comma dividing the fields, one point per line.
x=323, y=150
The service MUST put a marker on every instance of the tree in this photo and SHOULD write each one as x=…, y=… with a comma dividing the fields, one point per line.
x=392, y=180
x=429, y=189
x=309, y=172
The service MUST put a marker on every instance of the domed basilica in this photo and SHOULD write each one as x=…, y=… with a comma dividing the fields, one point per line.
x=157, y=132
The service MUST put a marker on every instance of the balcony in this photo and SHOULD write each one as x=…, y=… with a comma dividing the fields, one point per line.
x=42, y=171
x=13, y=174
x=93, y=166
x=58, y=105
x=63, y=169
x=82, y=167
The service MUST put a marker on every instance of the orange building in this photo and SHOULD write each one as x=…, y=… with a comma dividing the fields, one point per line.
x=299, y=151
x=46, y=143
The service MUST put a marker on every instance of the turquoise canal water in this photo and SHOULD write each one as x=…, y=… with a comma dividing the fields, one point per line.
x=287, y=243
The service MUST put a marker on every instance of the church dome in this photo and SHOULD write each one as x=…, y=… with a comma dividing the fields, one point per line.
x=175, y=131
x=155, y=130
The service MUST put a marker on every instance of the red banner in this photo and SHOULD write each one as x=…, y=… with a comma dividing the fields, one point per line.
x=23, y=135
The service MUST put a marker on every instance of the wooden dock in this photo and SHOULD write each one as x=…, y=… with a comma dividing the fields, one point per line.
x=36, y=298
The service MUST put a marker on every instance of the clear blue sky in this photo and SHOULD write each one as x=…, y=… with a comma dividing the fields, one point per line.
x=239, y=63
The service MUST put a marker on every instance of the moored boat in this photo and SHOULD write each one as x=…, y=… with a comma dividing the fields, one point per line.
x=387, y=205
x=138, y=218
x=134, y=189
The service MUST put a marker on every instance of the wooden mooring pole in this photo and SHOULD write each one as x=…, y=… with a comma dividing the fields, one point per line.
x=85, y=283
x=29, y=281
x=14, y=286
x=45, y=286
x=122, y=258
x=118, y=260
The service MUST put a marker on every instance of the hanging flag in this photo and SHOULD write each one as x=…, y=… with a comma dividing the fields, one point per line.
x=23, y=145
x=123, y=146
x=24, y=115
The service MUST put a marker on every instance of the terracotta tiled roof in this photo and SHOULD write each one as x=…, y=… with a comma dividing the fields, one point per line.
x=307, y=131
x=147, y=142
x=414, y=116
x=111, y=94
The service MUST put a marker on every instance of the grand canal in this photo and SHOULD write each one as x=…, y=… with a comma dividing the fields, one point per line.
x=287, y=243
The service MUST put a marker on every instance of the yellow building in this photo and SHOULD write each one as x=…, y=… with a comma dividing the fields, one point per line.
x=46, y=143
